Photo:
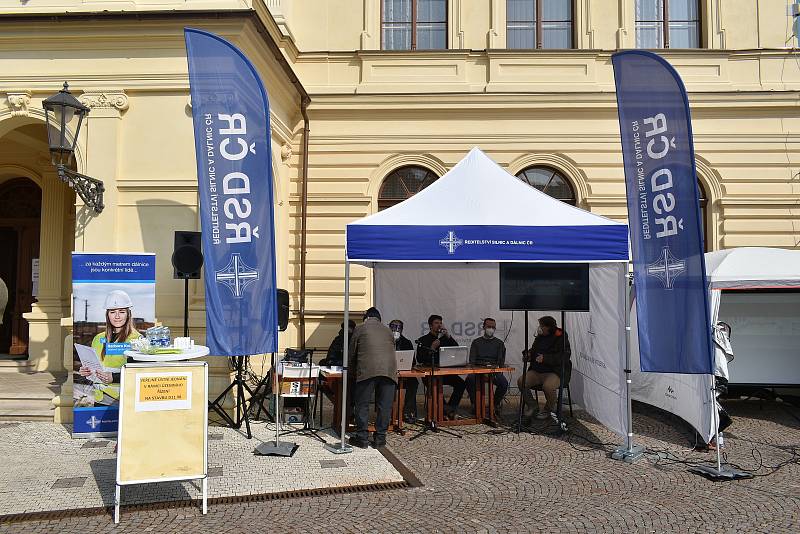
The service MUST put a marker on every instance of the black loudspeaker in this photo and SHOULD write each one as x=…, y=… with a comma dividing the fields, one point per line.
x=283, y=309
x=187, y=256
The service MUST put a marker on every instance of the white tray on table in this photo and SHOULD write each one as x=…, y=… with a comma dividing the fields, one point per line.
x=197, y=352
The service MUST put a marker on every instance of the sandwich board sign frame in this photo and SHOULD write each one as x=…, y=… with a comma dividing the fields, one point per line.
x=163, y=426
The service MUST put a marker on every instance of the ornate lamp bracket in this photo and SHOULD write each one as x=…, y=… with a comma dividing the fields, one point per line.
x=89, y=189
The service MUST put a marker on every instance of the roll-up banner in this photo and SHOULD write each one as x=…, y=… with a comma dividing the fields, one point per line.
x=664, y=215
x=114, y=300
x=230, y=111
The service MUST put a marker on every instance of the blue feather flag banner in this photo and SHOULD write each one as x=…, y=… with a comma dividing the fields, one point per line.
x=664, y=215
x=230, y=111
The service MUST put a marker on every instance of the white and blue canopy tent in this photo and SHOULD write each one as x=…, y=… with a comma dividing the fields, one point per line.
x=439, y=252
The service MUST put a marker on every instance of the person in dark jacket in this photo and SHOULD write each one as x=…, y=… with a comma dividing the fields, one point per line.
x=373, y=358
x=428, y=351
x=549, y=351
x=336, y=350
x=488, y=350
x=411, y=384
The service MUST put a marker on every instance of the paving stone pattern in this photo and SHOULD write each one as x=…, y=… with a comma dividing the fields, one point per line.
x=51, y=471
x=508, y=483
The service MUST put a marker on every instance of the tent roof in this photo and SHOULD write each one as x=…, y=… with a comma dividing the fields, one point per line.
x=753, y=267
x=479, y=212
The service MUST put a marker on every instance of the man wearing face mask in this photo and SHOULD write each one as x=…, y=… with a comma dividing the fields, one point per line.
x=548, y=355
x=411, y=384
x=488, y=350
x=428, y=352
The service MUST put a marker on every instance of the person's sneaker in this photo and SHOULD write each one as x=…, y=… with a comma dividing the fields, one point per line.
x=357, y=442
x=409, y=418
x=378, y=443
x=541, y=416
x=449, y=412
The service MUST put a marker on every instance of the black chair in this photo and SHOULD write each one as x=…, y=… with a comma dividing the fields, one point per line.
x=537, y=389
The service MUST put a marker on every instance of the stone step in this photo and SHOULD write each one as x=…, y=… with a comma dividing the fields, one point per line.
x=28, y=417
x=16, y=366
x=32, y=394
x=25, y=410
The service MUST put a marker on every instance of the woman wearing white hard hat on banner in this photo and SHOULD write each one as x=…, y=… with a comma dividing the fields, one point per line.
x=111, y=344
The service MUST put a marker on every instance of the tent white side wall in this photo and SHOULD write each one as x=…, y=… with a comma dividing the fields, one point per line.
x=465, y=294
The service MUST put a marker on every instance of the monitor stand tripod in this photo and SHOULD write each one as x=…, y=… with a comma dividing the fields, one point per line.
x=430, y=409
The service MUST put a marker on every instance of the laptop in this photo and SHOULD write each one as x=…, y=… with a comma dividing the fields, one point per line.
x=453, y=356
x=405, y=359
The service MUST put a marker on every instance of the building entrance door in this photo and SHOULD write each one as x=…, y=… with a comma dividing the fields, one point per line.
x=20, y=219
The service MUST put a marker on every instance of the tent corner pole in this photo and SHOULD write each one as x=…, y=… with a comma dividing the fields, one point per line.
x=342, y=447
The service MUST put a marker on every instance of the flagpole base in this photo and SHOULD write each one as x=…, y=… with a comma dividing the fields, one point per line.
x=725, y=473
x=339, y=448
x=627, y=455
x=276, y=448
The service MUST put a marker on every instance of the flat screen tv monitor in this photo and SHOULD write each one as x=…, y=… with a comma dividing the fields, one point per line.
x=544, y=286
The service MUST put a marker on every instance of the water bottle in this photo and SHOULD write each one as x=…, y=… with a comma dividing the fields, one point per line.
x=152, y=336
x=166, y=336
x=159, y=336
x=721, y=443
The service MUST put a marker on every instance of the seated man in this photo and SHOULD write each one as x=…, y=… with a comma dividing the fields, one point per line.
x=336, y=350
x=411, y=384
x=550, y=349
x=428, y=352
x=488, y=350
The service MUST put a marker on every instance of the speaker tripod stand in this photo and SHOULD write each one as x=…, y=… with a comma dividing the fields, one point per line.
x=240, y=386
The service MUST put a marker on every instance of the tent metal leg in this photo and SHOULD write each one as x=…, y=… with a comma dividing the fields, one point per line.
x=342, y=447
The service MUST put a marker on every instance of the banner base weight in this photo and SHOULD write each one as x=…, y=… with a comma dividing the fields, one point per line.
x=280, y=448
x=339, y=448
x=726, y=473
x=628, y=456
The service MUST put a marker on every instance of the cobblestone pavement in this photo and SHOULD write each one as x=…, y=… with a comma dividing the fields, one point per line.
x=51, y=471
x=532, y=482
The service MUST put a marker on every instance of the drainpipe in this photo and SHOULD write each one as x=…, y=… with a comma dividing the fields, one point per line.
x=303, y=223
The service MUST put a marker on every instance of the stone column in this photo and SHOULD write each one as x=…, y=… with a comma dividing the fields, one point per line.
x=46, y=339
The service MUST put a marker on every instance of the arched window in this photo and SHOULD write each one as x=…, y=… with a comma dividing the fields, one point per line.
x=404, y=183
x=704, y=220
x=549, y=181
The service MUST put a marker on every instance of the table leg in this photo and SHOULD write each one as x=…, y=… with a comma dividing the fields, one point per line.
x=401, y=397
x=490, y=380
x=439, y=390
x=479, y=400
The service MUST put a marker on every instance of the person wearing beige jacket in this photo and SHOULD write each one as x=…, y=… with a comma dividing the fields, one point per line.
x=372, y=355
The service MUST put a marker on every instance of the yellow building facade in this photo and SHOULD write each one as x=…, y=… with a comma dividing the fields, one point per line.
x=455, y=78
